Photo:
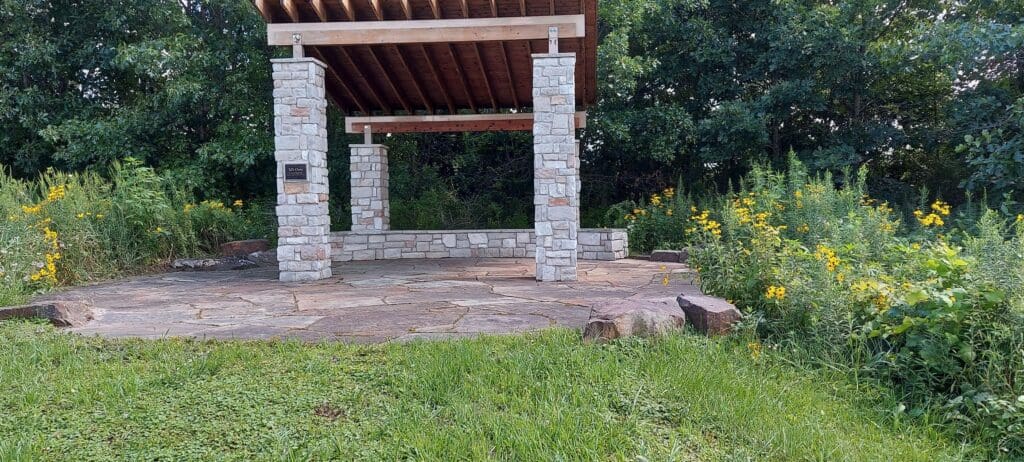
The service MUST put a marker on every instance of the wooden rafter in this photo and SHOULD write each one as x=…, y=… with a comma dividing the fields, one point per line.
x=522, y=7
x=436, y=74
x=320, y=9
x=552, y=7
x=494, y=8
x=487, y=80
x=465, y=9
x=407, y=9
x=436, y=9
x=263, y=6
x=346, y=7
x=449, y=123
x=508, y=74
x=369, y=85
x=389, y=80
x=377, y=10
x=412, y=77
x=291, y=9
x=462, y=76
x=427, y=30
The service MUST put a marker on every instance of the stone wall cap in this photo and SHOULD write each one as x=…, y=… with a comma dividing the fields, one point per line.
x=299, y=60
x=368, y=146
x=458, y=231
x=553, y=55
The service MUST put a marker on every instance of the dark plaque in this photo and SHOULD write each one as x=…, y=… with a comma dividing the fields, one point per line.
x=295, y=172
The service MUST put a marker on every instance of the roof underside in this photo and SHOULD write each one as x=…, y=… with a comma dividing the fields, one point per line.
x=438, y=78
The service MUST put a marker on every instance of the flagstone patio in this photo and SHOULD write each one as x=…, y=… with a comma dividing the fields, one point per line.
x=369, y=302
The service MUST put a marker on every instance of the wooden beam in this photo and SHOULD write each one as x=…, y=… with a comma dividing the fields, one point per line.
x=494, y=8
x=449, y=123
x=341, y=81
x=346, y=6
x=291, y=9
x=552, y=7
x=264, y=8
x=369, y=85
x=462, y=76
x=486, y=77
x=377, y=10
x=508, y=74
x=407, y=9
x=436, y=74
x=465, y=9
x=389, y=80
x=427, y=30
x=320, y=9
x=436, y=9
x=522, y=7
x=412, y=77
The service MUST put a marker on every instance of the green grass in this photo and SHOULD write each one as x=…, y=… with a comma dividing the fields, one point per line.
x=542, y=397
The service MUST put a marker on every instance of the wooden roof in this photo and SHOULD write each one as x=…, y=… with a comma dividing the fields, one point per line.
x=392, y=74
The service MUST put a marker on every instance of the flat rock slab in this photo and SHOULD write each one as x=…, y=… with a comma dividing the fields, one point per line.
x=628, y=318
x=709, y=315
x=244, y=248
x=368, y=302
x=670, y=256
x=58, y=313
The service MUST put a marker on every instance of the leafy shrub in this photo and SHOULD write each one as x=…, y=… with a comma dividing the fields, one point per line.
x=653, y=225
x=68, y=228
x=934, y=311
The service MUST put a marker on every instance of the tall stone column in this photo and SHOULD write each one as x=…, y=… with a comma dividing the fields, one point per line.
x=556, y=166
x=300, y=141
x=371, y=205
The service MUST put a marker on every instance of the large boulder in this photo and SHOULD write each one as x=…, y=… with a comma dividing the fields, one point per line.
x=61, y=314
x=628, y=318
x=241, y=249
x=709, y=315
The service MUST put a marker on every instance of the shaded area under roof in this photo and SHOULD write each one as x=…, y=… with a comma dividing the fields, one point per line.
x=438, y=78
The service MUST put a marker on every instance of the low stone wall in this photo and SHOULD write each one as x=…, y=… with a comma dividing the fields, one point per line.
x=594, y=244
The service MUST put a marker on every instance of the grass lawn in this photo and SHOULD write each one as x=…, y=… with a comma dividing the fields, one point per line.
x=542, y=397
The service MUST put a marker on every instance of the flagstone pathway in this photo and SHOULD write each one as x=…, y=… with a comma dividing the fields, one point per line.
x=368, y=302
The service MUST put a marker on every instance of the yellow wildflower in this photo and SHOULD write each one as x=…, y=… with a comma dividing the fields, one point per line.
x=238, y=203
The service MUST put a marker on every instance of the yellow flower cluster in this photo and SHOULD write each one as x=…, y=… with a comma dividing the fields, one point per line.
x=48, y=269
x=934, y=218
x=705, y=223
x=775, y=292
x=755, y=349
x=828, y=256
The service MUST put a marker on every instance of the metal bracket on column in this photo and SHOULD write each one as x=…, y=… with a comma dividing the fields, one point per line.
x=553, y=39
x=367, y=134
x=297, y=51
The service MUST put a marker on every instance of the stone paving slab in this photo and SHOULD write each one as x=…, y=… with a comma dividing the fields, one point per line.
x=369, y=302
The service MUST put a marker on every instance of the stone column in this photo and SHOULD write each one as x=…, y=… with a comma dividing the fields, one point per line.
x=300, y=129
x=371, y=206
x=556, y=166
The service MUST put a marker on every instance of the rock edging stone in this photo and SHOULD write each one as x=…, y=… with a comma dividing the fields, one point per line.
x=60, y=314
x=709, y=315
x=628, y=318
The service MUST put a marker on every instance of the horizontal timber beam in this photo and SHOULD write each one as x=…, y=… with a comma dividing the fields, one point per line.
x=425, y=30
x=520, y=122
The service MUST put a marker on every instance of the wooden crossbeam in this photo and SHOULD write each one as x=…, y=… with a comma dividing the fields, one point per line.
x=426, y=30
x=449, y=123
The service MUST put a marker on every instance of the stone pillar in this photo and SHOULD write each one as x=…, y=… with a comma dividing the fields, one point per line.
x=371, y=206
x=300, y=139
x=556, y=166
